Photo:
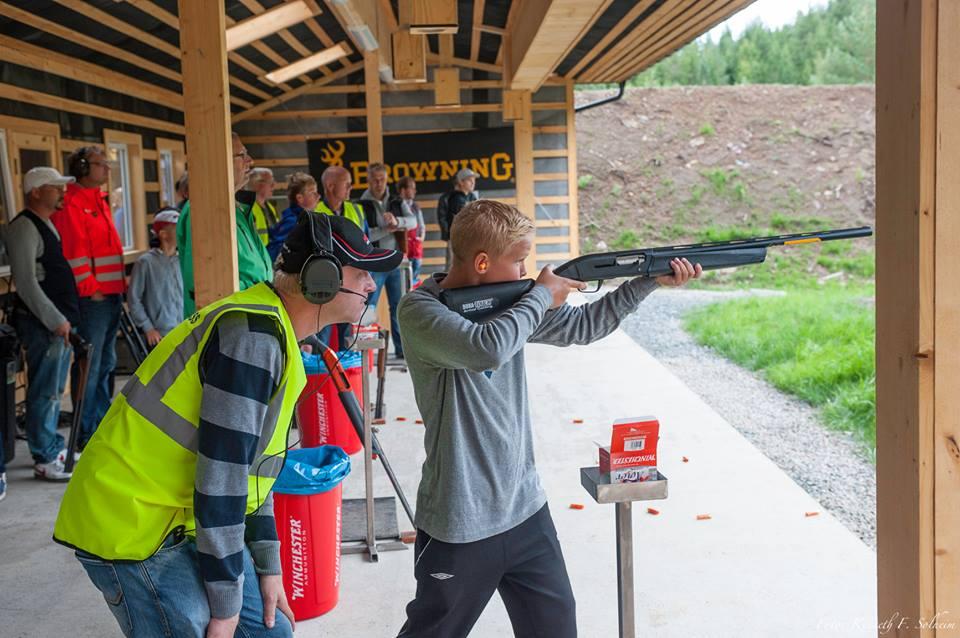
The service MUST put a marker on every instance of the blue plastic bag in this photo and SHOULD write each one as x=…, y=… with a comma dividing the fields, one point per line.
x=313, y=363
x=313, y=470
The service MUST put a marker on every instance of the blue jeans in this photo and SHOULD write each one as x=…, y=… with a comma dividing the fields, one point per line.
x=164, y=594
x=48, y=360
x=98, y=325
x=393, y=282
x=415, y=265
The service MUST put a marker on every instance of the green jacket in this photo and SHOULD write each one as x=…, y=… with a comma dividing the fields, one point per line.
x=254, y=263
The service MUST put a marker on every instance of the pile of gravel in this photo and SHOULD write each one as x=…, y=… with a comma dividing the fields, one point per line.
x=831, y=466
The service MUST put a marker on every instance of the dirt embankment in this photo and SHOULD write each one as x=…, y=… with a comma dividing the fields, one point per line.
x=692, y=163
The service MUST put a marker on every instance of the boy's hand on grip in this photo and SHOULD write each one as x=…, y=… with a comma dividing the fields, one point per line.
x=559, y=286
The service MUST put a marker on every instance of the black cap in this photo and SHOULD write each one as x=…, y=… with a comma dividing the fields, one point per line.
x=341, y=237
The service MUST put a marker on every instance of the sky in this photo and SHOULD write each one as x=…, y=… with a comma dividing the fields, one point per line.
x=773, y=13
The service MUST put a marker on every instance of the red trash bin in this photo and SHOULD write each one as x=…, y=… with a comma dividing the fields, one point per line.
x=309, y=530
x=320, y=413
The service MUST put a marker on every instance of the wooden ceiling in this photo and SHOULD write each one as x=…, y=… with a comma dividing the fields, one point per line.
x=132, y=46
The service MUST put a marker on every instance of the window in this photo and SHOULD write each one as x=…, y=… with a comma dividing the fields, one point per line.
x=168, y=195
x=120, y=184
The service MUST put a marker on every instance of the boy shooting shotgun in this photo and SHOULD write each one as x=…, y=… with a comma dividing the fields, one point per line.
x=482, y=520
x=481, y=302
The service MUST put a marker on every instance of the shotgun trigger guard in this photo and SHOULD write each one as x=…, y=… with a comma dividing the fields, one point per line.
x=597, y=289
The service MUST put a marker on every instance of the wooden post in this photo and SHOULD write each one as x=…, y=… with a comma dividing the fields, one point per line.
x=572, y=178
x=946, y=292
x=209, y=149
x=523, y=161
x=371, y=83
x=918, y=316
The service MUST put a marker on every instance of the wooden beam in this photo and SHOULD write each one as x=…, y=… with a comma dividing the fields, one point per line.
x=478, y=6
x=289, y=95
x=946, y=294
x=23, y=53
x=679, y=37
x=310, y=114
x=213, y=219
x=434, y=110
x=907, y=348
x=573, y=203
x=433, y=58
x=371, y=81
x=37, y=98
x=156, y=12
x=523, y=166
x=632, y=45
x=611, y=36
x=72, y=35
x=545, y=31
x=90, y=11
x=263, y=23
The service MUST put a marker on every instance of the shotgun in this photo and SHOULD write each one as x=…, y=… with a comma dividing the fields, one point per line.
x=481, y=303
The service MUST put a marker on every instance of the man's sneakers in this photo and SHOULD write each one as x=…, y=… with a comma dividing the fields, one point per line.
x=3, y=485
x=52, y=471
x=62, y=456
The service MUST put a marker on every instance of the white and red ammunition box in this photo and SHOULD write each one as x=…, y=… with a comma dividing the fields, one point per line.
x=632, y=455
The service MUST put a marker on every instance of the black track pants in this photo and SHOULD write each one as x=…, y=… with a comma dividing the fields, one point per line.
x=456, y=580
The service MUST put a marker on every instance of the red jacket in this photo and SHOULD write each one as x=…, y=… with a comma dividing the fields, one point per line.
x=90, y=241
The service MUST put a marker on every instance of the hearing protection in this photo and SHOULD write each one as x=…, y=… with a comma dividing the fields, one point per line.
x=321, y=276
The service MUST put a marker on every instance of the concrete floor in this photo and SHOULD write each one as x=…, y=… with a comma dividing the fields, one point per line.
x=759, y=567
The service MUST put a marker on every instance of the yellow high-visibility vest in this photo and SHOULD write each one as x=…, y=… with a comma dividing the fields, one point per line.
x=350, y=211
x=135, y=482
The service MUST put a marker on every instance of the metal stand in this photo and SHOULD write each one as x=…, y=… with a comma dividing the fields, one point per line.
x=371, y=545
x=623, y=495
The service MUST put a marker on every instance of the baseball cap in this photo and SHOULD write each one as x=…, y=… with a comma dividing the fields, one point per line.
x=464, y=173
x=341, y=236
x=166, y=217
x=44, y=176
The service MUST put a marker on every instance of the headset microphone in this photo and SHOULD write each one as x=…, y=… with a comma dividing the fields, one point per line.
x=366, y=298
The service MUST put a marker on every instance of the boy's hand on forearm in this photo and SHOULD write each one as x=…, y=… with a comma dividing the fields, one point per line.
x=683, y=271
x=558, y=286
x=223, y=627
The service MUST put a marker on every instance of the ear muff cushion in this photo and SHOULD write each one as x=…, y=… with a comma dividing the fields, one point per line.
x=320, y=279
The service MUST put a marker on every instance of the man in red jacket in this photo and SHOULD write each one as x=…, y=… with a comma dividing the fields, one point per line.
x=95, y=254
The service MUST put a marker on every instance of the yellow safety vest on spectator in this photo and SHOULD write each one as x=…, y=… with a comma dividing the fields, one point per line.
x=134, y=484
x=263, y=218
x=350, y=211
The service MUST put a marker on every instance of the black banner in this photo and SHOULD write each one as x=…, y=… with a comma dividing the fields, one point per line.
x=432, y=159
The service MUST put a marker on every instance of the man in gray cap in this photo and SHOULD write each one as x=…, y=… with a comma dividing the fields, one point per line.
x=47, y=308
x=449, y=204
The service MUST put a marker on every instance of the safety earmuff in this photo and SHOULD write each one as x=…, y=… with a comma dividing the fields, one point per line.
x=79, y=163
x=321, y=276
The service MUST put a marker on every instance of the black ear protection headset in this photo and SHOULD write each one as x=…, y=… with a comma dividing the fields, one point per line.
x=321, y=277
x=79, y=162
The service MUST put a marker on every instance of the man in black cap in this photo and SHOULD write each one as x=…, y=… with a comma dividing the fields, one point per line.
x=170, y=508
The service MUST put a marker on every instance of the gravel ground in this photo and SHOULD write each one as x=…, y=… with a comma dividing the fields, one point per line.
x=831, y=466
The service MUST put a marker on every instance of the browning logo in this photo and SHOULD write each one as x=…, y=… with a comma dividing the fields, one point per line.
x=432, y=159
x=332, y=154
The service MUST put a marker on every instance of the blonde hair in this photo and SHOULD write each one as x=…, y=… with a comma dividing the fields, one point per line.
x=296, y=184
x=488, y=226
x=287, y=283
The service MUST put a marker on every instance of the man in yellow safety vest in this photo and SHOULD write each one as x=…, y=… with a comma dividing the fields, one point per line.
x=169, y=509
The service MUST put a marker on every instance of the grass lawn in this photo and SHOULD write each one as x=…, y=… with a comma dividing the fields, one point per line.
x=815, y=344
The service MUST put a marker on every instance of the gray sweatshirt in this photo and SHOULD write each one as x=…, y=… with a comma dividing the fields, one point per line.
x=156, y=292
x=25, y=247
x=479, y=477
x=384, y=237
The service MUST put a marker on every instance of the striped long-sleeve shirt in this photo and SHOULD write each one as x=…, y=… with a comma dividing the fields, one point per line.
x=240, y=370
